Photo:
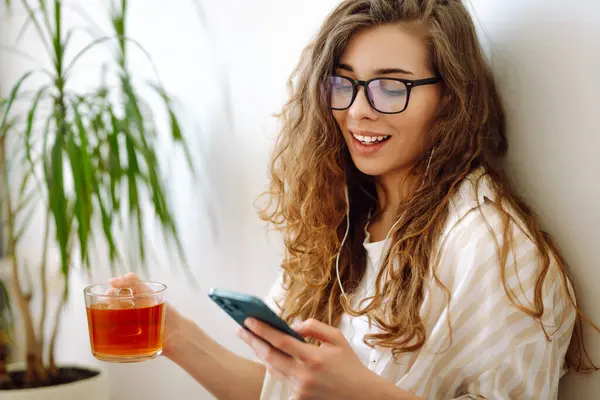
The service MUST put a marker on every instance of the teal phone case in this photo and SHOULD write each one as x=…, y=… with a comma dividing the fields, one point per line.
x=241, y=306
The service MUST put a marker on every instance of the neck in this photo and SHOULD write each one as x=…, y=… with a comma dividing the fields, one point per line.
x=393, y=188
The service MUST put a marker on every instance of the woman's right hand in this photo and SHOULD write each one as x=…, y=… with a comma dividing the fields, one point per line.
x=209, y=363
x=173, y=319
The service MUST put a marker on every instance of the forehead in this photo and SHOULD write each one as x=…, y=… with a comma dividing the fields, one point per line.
x=387, y=46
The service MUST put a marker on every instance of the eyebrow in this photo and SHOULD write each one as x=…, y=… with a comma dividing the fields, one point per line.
x=378, y=71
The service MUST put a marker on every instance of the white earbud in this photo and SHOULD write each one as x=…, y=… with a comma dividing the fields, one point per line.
x=337, y=258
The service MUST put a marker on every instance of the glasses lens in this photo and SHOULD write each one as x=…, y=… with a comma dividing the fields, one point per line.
x=341, y=91
x=388, y=95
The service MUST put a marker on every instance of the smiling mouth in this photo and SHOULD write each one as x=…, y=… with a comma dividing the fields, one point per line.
x=370, y=140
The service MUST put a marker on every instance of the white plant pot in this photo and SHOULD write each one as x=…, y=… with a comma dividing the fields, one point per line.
x=95, y=388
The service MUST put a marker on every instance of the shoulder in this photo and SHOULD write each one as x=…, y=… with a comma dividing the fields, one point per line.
x=482, y=238
x=475, y=214
x=486, y=244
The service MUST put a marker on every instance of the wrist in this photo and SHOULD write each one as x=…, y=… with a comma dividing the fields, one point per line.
x=178, y=332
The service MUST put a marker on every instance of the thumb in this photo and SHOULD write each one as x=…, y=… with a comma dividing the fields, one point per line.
x=320, y=331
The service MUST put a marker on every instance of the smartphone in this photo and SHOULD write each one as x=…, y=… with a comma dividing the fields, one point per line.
x=241, y=306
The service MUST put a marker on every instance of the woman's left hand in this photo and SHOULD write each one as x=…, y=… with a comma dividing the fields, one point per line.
x=330, y=371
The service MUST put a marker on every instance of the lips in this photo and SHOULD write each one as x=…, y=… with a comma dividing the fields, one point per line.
x=368, y=143
x=370, y=139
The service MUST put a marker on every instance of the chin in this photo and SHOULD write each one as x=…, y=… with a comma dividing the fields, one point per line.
x=370, y=168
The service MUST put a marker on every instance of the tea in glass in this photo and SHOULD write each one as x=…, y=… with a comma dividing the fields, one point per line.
x=126, y=324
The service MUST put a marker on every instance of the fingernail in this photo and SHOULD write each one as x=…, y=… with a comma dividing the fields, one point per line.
x=250, y=322
x=239, y=332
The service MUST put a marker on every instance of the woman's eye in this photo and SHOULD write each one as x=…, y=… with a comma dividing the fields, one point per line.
x=391, y=88
x=401, y=92
x=344, y=88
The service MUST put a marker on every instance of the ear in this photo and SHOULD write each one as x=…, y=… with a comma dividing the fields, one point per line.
x=445, y=99
x=443, y=104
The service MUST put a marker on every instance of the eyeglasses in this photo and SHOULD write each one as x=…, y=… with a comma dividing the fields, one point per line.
x=385, y=95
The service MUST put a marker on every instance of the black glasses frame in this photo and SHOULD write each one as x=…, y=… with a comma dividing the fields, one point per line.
x=356, y=83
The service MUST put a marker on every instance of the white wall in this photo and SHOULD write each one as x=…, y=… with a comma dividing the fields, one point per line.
x=545, y=56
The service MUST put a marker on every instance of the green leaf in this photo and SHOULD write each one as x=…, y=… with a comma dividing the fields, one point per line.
x=57, y=44
x=11, y=99
x=25, y=201
x=24, y=223
x=118, y=24
x=18, y=52
x=31, y=18
x=175, y=126
x=107, y=221
x=83, y=51
x=67, y=40
x=81, y=170
x=89, y=21
x=57, y=199
x=114, y=162
x=31, y=120
x=28, y=174
x=134, y=201
x=134, y=119
x=81, y=208
x=45, y=152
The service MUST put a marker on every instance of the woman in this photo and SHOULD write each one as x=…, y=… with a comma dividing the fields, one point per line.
x=411, y=266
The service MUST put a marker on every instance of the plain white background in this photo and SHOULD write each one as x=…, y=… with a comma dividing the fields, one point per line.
x=236, y=55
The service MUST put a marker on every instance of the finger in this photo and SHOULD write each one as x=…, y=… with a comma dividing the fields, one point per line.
x=278, y=363
x=127, y=285
x=281, y=341
x=130, y=281
x=321, y=331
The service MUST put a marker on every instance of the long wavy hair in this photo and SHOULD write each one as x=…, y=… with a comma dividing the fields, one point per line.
x=311, y=167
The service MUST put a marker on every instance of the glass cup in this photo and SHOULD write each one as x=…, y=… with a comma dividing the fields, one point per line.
x=126, y=324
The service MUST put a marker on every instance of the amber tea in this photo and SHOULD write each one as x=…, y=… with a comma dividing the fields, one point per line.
x=125, y=326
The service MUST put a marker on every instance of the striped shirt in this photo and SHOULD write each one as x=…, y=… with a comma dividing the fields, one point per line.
x=496, y=351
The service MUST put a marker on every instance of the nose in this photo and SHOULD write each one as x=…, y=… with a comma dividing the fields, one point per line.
x=361, y=108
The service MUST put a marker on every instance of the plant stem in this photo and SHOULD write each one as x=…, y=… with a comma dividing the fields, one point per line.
x=35, y=369
x=60, y=116
x=44, y=284
x=52, y=369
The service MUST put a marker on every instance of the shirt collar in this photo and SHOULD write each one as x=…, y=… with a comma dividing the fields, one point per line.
x=474, y=190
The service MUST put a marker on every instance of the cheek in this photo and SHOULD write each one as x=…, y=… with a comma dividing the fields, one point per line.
x=406, y=125
x=340, y=117
x=415, y=122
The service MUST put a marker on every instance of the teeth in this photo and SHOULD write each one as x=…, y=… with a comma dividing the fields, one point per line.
x=370, y=139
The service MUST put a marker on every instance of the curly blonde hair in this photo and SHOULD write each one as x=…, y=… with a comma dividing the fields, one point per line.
x=311, y=167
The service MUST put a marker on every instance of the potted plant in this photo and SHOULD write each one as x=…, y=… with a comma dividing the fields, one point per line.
x=89, y=161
